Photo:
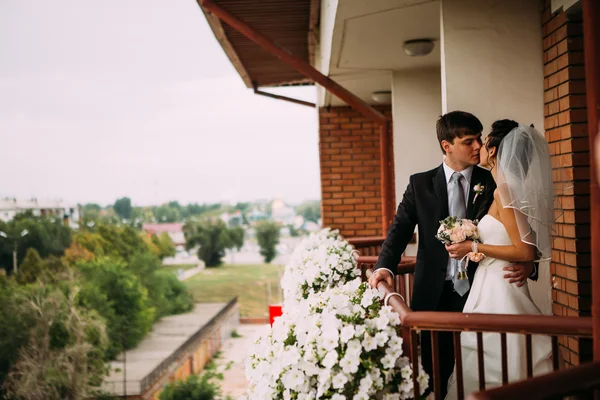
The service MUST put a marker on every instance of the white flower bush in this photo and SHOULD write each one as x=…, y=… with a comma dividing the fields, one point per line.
x=320, y=261
x=338, y=344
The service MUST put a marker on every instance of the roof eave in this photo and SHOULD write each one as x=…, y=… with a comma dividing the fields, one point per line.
x=217, y=28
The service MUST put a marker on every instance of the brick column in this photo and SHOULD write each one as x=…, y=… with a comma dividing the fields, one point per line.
x=565, y=122
x=350, y=171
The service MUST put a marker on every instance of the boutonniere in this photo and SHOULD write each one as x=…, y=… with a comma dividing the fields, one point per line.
x=478, y=189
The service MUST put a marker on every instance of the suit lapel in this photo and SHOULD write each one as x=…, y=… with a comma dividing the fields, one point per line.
x=474, y=203
x=441, y=190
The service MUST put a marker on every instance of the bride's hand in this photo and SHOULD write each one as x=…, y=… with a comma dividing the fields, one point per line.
x=459, y=250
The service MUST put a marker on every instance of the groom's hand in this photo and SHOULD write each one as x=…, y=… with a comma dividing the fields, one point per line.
x=519, y=273
x=381, y=275
x=458, y=250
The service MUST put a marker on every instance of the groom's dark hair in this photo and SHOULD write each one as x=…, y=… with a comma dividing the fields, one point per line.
x=457, y=124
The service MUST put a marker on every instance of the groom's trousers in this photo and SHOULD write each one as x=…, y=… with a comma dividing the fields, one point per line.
x=449, y=301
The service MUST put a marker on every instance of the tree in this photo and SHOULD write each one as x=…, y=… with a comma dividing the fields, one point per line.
x=213, y=238
x=195, y=209
x=243, y=206
x=267, y=235
x=310, y=210
x=118, y=295
x=164, y=245
x=119, y=241
x=123, y=207
x=174, y=204
x=237, y=234
x=14, y=329
x=166, y=213
x=31, y=268
x=237, y=237
x=193, y=388
x=91, y=211
x=76, y=253
x=62, y=358
x=168, y=294
x=47, y=235
x=294, y=232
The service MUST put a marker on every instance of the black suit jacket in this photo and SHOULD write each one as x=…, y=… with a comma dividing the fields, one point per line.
x=425, y=204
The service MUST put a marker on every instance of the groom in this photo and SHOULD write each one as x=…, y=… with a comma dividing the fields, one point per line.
x=431, y=196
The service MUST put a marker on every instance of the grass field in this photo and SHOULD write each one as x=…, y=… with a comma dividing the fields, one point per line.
x=176, y=267
x=248, y=282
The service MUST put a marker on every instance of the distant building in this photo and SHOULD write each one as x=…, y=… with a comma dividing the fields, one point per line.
x=10, y=207
x=282, y=213
x=311, y=226
x=233, y=219
x=175, y=231
x=256, y=215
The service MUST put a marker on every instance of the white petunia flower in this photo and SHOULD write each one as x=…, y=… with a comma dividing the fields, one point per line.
x=369, y=342
x=349, y=365
x=347, y=333
x=339, y=380
x=330, y=359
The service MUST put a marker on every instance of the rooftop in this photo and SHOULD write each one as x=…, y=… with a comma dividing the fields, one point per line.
x=175, y=227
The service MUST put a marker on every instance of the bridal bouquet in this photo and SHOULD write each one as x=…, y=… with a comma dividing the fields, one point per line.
x=339, y=344
x=456, y=230
x=320, y=261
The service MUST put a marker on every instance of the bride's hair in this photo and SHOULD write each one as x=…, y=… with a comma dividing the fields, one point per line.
x=500, y=129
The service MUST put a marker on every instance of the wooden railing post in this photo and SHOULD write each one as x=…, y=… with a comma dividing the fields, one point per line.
x=591, y=37
x=387, y=206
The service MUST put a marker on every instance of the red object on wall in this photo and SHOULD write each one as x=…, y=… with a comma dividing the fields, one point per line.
x=275, y=310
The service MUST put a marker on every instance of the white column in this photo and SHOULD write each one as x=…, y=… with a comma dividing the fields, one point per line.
x=416, y=106
x=492, y=63
x=491, y=60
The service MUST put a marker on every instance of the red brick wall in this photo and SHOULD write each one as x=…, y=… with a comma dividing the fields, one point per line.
x=567, y=133
x=350, y=171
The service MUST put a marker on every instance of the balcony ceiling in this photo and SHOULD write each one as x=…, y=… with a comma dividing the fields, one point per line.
x=367, y=40
x=286, y=22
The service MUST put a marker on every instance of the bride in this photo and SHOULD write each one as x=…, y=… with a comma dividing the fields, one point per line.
x=516, y=228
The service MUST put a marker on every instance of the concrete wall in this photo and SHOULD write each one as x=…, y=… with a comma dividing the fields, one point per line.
x=492, y=59
x=323, y=53
x=416, y=106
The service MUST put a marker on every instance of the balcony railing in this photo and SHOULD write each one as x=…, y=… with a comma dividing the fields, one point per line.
x=367, y=246
x=403, y=281
x=581, y=382
x=437, y=322
x=371, y=245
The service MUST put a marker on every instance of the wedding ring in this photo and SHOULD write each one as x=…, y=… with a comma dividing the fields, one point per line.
x=387, y=297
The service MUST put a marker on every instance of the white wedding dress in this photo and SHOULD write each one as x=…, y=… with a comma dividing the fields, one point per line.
x=492, y=294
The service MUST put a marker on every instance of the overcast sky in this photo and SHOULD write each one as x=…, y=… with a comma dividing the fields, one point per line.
x=103, y=99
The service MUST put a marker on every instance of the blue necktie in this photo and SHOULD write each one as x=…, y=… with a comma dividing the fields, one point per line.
x=458, y=209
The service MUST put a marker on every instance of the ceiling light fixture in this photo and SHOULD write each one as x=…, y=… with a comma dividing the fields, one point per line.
x=418, y=47
x=382, y=96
